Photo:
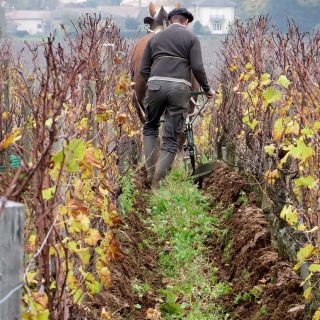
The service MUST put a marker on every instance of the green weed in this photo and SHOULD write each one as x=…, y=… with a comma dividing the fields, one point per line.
x=227, y=213
x=127, y=197
x=140, y=288
x=226, y=250
x=179, y=214
x=243, y=199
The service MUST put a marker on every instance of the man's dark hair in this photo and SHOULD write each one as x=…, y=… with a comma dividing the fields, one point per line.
x=178, y=18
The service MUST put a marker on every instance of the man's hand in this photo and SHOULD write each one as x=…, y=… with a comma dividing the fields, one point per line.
x=210, y=94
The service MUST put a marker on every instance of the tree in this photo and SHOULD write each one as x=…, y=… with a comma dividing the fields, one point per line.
x=198, y=28
x=305, y=13
x=2, y=22
x=95, y=3
x=131, y=23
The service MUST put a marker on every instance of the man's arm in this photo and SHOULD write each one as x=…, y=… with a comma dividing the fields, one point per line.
x=146, y=62
x=196, y=64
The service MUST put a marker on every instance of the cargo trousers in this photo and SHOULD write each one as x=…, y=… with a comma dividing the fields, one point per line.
x=171, y=99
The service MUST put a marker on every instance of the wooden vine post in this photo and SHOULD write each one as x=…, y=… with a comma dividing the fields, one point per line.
x=11, y=260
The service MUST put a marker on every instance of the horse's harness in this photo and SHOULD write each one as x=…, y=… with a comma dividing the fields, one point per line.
x=158, y=28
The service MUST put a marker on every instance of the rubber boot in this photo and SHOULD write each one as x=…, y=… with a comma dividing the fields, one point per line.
x=151, y=156
x=164, y=164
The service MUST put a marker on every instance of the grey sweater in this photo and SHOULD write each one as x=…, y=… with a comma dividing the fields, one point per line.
x=173, y=54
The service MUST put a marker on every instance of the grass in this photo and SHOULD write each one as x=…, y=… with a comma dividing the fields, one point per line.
x=180, y=217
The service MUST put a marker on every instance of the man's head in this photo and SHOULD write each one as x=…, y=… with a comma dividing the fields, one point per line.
x=180, y=15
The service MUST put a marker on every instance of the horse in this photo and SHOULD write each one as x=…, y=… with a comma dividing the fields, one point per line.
x=157, y=23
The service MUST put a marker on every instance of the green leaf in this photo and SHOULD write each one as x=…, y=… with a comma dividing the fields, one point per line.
x=78, y=296
x=306, y=182
x=170, y=306
x=75, y=151
x=249, y=66
x=265, y=79
x=72, y=246
x=291, y=216
x=305, y=252
x=283, y=81
x=307, y=132
x=57, y=158
x=316, y=125
x=301, y=151
x=47, y=194
x=250, y=123
x=48, y=122
x=270, y=149
x=270, y=95
x=315, y=267
x=44, y=315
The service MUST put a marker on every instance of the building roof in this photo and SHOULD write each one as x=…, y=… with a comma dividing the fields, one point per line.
x=105, y=11
x=27, y=14
x=145, y=3
x=208, y=3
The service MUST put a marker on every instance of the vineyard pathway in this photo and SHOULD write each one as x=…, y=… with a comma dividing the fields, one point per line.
x=197, y=254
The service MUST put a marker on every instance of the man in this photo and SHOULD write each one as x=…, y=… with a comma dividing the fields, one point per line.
x=166, y=66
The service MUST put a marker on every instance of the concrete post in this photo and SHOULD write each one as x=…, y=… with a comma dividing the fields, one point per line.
x=11, y=260
x=91, y=97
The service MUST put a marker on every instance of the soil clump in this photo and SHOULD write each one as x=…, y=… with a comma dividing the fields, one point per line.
x=264, y=286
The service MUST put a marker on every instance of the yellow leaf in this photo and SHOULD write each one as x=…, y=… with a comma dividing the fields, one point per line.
x=289, y=214
x=233, y=68
x=297, y=266
x=271, y=176
x=5, y=115
x=301, y=227
x=10, y=138
x=307, y=293
x=84, y=255
x=278, y=130
x=293, y=127
x=93, y=237
x=31, y=277
x=316, y=316
x=104, y=274
x=106, y=315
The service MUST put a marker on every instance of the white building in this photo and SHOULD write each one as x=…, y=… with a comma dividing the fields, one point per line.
x=71, y=1
x=216, y=15
x=30, y=21
x=145, y=3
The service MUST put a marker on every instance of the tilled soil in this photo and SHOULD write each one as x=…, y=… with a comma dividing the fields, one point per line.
x=252, y=261
x=136, y=263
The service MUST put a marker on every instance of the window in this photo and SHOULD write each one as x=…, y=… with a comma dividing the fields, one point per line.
x=39, y=26
x=216, y=25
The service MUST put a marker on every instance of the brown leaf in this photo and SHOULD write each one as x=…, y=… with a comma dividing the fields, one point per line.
x=76, y=207
x=89, y=158
x=121, y=118
x=153, y=314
